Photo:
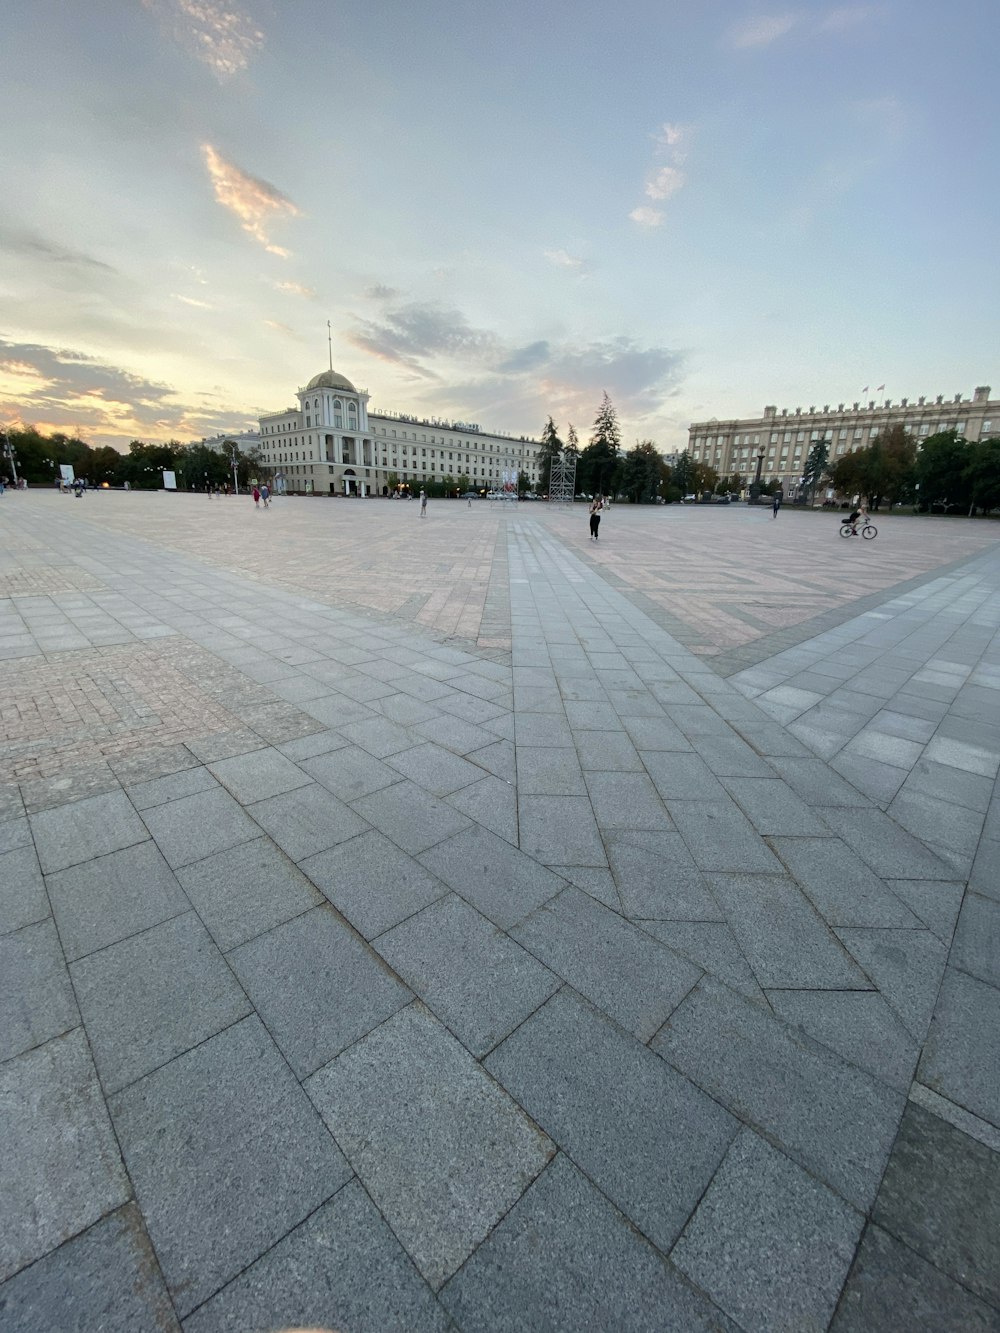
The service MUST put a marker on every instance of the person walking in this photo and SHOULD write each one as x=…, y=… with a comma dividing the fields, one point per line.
x=596, y=508
x=256, y=498
x=265, y=495
x=423, y=504
x=776, y=504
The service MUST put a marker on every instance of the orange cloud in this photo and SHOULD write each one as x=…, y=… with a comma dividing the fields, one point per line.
x=254, y=202
x=217, y=34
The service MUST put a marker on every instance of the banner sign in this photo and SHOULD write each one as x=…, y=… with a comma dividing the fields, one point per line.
x=169, y=480
x=66, y=472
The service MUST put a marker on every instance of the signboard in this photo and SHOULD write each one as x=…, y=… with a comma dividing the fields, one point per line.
x=169, y=480
x=66, y=472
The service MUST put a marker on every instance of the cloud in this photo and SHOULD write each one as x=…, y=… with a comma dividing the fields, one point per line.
x=846, y=17
x=190, y=300
x=254, y=202
x=380, y=292
x=411, y=332
x=296, y=289
x=562, y=259
x=526, y=358
x=280, y=328
x=218, y=34
x=664, y=182
x=647, y=217
x=33, y=245
x=761, y=30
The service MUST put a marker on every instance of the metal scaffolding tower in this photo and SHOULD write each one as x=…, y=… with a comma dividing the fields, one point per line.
x=562, y=479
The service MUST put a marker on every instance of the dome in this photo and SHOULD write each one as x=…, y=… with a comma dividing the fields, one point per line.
x=329, y=379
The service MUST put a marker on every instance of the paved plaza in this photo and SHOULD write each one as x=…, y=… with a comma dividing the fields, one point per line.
x=459, y=924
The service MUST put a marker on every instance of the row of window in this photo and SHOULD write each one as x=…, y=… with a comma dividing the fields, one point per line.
x=923, y=428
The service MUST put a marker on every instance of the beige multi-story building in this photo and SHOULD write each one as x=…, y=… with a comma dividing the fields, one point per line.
x=784, y=438
x=331, y=444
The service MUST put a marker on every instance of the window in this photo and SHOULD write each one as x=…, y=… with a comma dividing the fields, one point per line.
x=987, y=427
x=858, y=432
x=842, y=434
x=801, y=435
x=788, y=437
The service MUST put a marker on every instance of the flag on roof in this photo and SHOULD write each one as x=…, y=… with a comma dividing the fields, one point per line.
x=880, y=388
x=865, y=389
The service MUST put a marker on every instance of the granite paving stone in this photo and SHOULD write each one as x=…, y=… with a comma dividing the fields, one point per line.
x=712, y=946
x=317, y=986
x=834, y=1120
x=545, y=771
x=961, y=1055
x=157, y=791
x=247, y=890
x=620, y=969
x=906, y=966
x=564, y=1259
x=147, y=999
x=60, y=1170
x=476, y=979
x=23, y=900
x=189, y=829
x=258, y=775
x=498, y=759
x=976, y=946
x=496, y=878
x=350, y=772
x=941, y=1197
x=36, y=998
x=378, y=736
x=888, y=849
x=70, y=834
x=410, y=816
x=657, y=878
x=891, y=1287
x=560, y=830
x=342, y=1267
x=858, y=1025
x=773, y=807
x=985, y=877
x=492, y=803
x=743, y=1246
x=307, y=820
x=112, y=897
x=720, y=837
x=934, y=902
x=309, y=747
x=785, y=941
x=441, y=1150
x=595, y=880
x=15, y=834
x=840, y=884
x=455, y=733
x=206, y=1138
x=105, y=1278
x=435, y=769
x=622, y=800
x=643, y=1134
x=655, y=733
x=372, y=882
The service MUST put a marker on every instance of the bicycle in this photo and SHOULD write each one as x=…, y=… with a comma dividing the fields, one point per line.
x=868, y=531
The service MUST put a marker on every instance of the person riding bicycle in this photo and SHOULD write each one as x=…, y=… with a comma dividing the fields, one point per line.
x=861, y=513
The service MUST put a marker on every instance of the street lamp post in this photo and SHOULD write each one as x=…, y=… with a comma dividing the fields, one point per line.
x=236, y=485
x=755, y=484
x=8, y=451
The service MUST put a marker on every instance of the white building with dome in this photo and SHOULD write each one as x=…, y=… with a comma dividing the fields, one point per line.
x=332, y=445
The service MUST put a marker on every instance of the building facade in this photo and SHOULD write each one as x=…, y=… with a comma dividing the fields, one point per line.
x=331, y=444
x=784, y=438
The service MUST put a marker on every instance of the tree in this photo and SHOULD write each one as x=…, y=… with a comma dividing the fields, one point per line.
x=523, y=482
x=392, y=481
x=641, y=473
x=683, y=474
x=731, y=485
x=941, y=471
x=549, y=449
x=883, y=471
x=462, y=481
x=816, y=465
x=982, y=473
x=599, y=460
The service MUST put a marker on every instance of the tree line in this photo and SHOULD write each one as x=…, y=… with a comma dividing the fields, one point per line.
x=945, y=474
x=38, y=458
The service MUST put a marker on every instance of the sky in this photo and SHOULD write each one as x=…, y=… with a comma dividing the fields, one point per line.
x=503, y=211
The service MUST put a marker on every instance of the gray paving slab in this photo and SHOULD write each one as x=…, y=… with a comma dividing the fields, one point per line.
x=934, y=902
x=157, y=791
x=435, y=769
x=189, y=829
x=712, y=946
x=643, y=1134
x=372, y=882
x=60, y=1170
x=547, y=771
x=720, y=837
x=548, y=729
x=455, y=733
x=206, y=1138
x=619, y=968
x=350, y=772
x=785, y=941
x=497, y=879
x=743, y=1244
x=476, y=979
x=858, y=1025
x=906, y=966
x=891, y=1287
x=114, y=896
x=595, y=880
x=492, y=803
x=657, y=878
x=15, y=834
x=623, y=800
x=841, y=885
x=307, y=820
x=309, y=747
x=565, y=1259
x=953, y=785
x=23, y=900
x=560, y=830
x=317, y=986
x=258, y=775
x=379, y=736
x=225, y=744
x=498, y=759
x=773, y=807
x=654, y=733
x=953, y=831
x=106, y=1278
x=442, y=1151
x=36, y=998
x=941, y=1197
x=147, y=999
x=834, y=1120
x=976, y=946
x=342, y=1268
x=410, y=816
x=890, y=851
x=961, y=1056
x=985, y=875
x=70, y=834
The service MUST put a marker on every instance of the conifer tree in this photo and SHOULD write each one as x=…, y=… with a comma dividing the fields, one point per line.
x=600, y=458
x=551, y=448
